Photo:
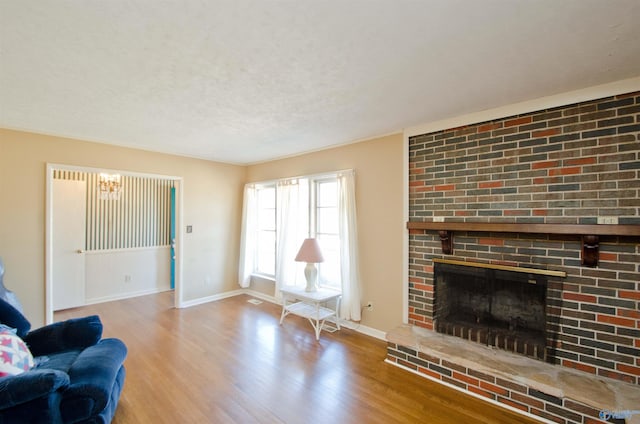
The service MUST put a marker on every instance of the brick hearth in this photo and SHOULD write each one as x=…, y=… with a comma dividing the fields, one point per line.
x=556, y=394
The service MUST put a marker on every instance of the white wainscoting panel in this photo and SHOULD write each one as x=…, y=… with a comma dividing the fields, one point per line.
x=117, y=274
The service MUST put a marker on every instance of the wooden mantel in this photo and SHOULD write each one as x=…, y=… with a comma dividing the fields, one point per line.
x=590, y=233
x=595, y=229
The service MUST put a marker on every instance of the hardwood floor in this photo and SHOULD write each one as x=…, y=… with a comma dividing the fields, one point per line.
x=231, y=362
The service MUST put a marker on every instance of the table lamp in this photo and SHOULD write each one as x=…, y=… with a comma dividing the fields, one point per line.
x=310, y=253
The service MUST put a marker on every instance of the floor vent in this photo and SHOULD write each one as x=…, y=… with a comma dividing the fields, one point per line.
x=254, y=301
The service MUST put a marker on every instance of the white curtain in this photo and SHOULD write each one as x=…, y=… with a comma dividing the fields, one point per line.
x=291, y=228
x=350, y=275
x=247, y=236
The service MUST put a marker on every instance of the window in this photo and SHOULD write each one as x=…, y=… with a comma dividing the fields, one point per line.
x=265, y=256
x=324, y=204
x=319, y=197
x=278, y=216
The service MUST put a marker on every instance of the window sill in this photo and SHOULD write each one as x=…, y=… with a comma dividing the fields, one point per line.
x=263, y=277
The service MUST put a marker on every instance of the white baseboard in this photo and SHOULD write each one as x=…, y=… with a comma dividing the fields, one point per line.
x=369, y=331
x=372, y=332
x=207, y=299
x=262, y=296
x=122, y=296
x=363, y=329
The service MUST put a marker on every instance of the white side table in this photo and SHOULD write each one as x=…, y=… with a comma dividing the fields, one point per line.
x=297, y=301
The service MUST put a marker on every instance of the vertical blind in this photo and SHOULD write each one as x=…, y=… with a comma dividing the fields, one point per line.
x=140, y=217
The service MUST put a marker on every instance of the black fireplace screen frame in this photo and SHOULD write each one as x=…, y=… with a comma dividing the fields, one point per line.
x=495, y=307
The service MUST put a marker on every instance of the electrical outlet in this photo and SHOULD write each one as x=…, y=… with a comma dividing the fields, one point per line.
x=438, y=219
x=610, y=220
x=369, y=306
x=127, y=278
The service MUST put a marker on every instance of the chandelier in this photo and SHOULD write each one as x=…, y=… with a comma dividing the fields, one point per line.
x=109, y=186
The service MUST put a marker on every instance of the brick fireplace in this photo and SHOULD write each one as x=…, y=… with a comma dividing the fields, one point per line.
x=568, y=165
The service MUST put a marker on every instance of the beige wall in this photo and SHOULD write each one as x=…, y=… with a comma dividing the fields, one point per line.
x=212, y=205
x=379, y=200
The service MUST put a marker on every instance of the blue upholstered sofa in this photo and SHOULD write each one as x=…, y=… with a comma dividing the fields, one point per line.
x=77, y=376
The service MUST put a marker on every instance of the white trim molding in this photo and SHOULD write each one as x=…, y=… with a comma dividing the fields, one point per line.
x=207, y=299
x=363, y=329
x=586, y=94
x=50, y=167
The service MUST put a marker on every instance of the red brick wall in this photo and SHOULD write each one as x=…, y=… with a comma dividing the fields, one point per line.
x=564, y=165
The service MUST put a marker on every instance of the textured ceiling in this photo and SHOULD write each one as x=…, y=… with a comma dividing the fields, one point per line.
x=249, y=81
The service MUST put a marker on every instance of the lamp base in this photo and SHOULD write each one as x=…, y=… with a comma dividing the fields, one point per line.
x=311, y=274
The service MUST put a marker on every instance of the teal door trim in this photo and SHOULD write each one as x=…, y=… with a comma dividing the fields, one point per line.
x=172, y=232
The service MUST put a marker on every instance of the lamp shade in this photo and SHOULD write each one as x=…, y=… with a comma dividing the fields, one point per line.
x=309, y=252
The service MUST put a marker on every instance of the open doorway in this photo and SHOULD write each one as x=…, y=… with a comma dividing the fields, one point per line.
x=127, y=245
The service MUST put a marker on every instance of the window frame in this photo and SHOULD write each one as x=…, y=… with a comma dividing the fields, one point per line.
x=259, y=208
x=312, y=201
x=315, y=223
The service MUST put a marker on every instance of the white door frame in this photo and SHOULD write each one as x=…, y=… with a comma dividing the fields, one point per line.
x=178, y=294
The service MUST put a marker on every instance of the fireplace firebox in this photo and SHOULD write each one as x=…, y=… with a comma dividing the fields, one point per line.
x=498, y=306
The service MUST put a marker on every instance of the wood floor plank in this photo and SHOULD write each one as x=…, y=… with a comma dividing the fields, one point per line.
x=231, y=362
